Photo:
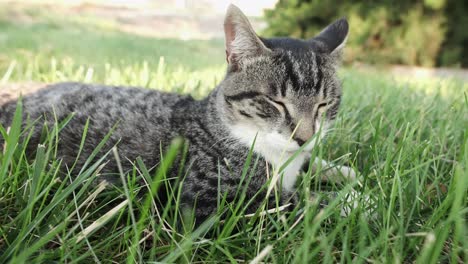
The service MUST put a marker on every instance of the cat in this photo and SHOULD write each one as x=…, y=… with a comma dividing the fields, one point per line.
x=278, y=95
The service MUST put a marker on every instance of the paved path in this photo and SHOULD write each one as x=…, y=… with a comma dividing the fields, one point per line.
x=418, y=73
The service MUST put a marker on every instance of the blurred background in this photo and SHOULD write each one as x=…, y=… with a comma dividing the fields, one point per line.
x=414, y=38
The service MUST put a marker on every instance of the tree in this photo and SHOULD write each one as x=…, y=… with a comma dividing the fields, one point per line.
x=397, y=32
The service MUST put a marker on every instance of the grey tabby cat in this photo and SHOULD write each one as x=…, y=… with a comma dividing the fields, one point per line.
x=278, y=91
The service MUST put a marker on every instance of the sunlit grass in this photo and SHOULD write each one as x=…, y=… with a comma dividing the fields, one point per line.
x=35, y=35
x=408, y=140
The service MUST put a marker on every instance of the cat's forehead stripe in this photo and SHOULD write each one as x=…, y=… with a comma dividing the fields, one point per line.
x=289, y=73
x=302, y=74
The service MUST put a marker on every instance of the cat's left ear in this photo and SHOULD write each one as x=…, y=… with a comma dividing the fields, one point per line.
x=241, y=40
x=332, y=39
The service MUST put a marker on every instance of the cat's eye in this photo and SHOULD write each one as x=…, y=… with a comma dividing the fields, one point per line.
x=276, y=102
x=279, y=103
x=321, y=105
x=281, y=107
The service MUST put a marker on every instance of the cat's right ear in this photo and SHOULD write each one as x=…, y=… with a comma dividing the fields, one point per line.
x=241, y=40
x=333, y=38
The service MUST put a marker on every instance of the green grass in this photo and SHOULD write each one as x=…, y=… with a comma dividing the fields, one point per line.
x=52, y=47
x=408, y=139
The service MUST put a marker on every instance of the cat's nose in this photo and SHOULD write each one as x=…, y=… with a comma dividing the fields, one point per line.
x=299, y=141
x=303, y=131
x=302, y=134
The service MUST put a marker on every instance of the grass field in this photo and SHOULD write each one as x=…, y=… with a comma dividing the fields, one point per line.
x=409, y=140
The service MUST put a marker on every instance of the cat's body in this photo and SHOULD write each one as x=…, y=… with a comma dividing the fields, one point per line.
x=277, y=92
x=142, y=130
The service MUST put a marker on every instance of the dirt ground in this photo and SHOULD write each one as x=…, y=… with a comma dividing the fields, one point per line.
x=12, y=91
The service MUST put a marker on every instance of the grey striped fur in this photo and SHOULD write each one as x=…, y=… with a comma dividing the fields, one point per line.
x=272, y=87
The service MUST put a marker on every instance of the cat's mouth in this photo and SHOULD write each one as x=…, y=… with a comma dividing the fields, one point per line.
x=308, y=148
x=269, y=142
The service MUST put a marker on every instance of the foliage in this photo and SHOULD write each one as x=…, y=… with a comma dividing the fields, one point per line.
x=426, y=33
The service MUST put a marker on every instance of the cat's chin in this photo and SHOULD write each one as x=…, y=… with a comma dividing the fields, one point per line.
x=270, y=143
x=249, y=135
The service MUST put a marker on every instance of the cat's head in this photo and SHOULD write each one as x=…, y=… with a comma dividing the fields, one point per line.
x=279, y=88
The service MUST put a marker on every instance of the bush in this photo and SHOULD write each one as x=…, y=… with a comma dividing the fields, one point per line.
x=426, y=33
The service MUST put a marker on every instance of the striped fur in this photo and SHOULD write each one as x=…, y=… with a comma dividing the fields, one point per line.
x=274, y=90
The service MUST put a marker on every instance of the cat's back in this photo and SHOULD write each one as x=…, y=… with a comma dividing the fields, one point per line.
x=140, y=119
x=99, y=102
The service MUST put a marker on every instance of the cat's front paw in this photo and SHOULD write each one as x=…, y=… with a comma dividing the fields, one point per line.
x=354, y=200
x=341, y=174
x=347, y=172
x=335, y=173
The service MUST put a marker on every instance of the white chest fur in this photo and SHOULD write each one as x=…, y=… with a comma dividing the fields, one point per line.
x=276, y=149
x=289, y=174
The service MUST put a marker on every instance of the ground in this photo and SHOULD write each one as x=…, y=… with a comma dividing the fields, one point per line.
x=408, y=139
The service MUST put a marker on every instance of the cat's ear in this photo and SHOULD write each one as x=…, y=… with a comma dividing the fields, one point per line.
x=333, y=38
x=241, y=40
